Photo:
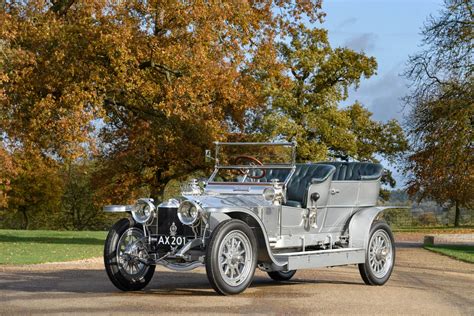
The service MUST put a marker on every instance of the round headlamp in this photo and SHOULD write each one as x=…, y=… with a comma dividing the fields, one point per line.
x=269, y=194
x=189, y=212
x=142, y=211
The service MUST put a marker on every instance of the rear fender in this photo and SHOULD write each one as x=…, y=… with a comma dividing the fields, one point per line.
x=360, y=224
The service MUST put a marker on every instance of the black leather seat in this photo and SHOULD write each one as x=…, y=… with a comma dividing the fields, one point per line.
x=279, y=174
x=355, y=171
x=305, y=175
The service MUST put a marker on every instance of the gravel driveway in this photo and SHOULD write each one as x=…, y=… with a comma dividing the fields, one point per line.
x=422, y=283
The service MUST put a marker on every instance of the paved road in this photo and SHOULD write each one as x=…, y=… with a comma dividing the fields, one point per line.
x=422, y=283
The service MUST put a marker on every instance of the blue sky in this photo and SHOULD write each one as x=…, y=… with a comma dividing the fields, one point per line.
x=389, y=30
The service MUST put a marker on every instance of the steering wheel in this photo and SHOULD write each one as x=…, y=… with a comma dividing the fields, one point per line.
x=252, y=162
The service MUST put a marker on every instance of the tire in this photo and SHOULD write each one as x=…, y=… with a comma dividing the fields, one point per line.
x=231, y=257
x=281, y=276
x=380, y=255
x=117, y=271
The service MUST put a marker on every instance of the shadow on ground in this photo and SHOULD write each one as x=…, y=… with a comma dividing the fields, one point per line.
x=164, y=282
x=96, y=281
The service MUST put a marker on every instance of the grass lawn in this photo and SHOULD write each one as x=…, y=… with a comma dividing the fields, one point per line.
x=460, y=252
x=437, y=230
x=39, y=246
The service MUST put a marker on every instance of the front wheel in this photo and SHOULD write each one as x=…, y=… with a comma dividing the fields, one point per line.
x=231, y=257
x=124, y=256
x=380, y=255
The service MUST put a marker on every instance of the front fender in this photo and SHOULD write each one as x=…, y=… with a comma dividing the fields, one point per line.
x=360, y=224
x=255, y=223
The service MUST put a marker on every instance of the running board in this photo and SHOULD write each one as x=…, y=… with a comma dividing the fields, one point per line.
x=321, y=258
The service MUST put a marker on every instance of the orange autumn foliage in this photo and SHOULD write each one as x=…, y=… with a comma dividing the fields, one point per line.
x=161, y=80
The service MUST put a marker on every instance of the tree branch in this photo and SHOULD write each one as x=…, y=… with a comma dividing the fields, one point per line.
x=60, y=7
x=161, y=68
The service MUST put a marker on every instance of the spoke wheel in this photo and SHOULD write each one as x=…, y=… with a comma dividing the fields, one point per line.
x=130, y=247
x=235, y=258
x=231, y=257
x=124, y=247
x=380, y=255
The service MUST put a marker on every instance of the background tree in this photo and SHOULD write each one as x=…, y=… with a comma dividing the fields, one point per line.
x=305, y=100
x=7, y=172
x=35, y=196
x=79, y=208
x=441, y=118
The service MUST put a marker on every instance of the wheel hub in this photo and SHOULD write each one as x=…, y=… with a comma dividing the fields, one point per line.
x=381, y=254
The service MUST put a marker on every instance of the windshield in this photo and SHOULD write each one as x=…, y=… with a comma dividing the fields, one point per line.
x=228, y=154
x=253, y=162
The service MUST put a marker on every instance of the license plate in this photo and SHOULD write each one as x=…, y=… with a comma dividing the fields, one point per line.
x=171, y=240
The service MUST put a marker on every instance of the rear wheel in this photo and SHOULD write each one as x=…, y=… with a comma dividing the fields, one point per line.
x=281, y=276
x=231, y=257
x=380, y=255
x=124, y=247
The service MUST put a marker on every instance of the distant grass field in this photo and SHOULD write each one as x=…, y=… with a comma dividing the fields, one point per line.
x=436, y=229
x=460, y=252
x=39, y=246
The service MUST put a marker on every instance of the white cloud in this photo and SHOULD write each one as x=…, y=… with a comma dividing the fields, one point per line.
x=364, y=42
x=382, y=94
x=347, y=22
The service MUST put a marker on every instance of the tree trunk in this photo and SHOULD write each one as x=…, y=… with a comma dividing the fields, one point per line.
x=157, y=188
x=157, y=192
x=457, y=215
x=25, y=218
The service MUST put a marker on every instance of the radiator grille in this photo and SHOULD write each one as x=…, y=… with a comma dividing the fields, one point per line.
x=166, y=218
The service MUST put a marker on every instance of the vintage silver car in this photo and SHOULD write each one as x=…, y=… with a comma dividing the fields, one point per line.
x=258, y=209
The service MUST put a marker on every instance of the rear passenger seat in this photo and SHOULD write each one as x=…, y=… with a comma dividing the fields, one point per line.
x=304, y=176
x=355, y=171
x=307, y=174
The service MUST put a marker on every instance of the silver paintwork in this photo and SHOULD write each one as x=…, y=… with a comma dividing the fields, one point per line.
x=118, y=208
x=217, y=206
x=171, y=203
x=181, y=267
x=338, y=224
x=323, y=258
x=360, y=223
x=192, y=188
